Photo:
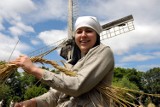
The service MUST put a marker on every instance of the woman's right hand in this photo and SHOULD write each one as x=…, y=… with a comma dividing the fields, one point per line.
x=27, y=103
x=26, y=64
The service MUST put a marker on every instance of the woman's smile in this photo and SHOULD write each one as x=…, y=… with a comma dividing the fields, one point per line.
x=84, y=41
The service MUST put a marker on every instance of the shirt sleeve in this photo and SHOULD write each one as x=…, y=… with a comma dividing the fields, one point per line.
x=48, y=99
x=96, y=65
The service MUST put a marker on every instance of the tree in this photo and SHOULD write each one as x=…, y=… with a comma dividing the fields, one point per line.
x=14, y=82
x=5, y=91
x=34, y=91
x=151, y=83
x=125, y=83
x=132, y=75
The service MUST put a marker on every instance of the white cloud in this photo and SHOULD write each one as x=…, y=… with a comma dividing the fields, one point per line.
x=48, y=10
x=16, y=13
x=7, y=45
x=146, y=67
x=50, y=37
x=139, y=67
x=33, y=11
x=17, y=6
x=12, y=10
x=1, y=24
x=156, y=54
x=20, y=29
x=35, y=42
x=137, y=57
x=1, y=27
x=142, y=36
x=110, y=10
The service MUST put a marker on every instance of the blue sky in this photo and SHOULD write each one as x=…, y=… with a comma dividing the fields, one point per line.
x=38, y=23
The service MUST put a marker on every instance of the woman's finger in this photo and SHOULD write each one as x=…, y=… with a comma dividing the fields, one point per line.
x=18, y=105
x=22, y=56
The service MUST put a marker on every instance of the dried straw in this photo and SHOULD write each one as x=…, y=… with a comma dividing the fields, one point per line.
x=7, y=69
x=119, y=96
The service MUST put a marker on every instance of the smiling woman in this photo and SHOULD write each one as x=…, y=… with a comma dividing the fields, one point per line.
x=93, y=67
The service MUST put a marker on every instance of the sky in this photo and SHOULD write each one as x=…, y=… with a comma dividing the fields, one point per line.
x=30, y=25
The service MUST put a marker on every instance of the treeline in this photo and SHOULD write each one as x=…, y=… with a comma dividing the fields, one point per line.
x=144, y=82
x=22, y=86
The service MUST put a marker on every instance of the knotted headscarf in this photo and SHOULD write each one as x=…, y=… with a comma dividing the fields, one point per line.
x=88, y=21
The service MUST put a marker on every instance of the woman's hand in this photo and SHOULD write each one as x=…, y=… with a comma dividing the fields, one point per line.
x=26, y=64
x=27, y=103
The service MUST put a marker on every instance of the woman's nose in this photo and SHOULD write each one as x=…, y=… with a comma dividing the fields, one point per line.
x=84, y=34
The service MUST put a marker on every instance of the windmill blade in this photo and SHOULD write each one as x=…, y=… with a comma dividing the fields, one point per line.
x=117, y=27
x=49, y=48
x=67, y=42
x=110, y=30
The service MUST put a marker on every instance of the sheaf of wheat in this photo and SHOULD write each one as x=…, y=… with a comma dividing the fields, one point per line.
x=117, y=95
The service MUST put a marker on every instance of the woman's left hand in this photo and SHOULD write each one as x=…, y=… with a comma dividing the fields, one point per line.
x=27, y=103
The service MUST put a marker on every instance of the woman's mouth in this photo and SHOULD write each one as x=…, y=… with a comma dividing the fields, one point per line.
x=84, y=41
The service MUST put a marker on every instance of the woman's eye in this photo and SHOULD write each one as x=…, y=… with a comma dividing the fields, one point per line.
x=79, y=32
x=89, y=31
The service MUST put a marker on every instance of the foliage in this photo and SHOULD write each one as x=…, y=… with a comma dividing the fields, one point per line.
x=2, y=62
x=125, y=79
x=148, y=82
x=5, y=91
x=20, y=85
x=151, y=83
x=34, y=91
x=17, y=85
x=125, y=83
x=132, y=75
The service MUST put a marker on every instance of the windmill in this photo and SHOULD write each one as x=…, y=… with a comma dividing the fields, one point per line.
x=111, y=29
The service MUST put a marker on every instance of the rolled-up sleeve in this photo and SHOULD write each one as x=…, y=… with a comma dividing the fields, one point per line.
x=90, y=71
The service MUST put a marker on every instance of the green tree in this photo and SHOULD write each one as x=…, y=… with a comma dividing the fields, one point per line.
x=34, y=91
x=125, y=83
x=14, y=83
x=5, y=91
x=151, y=83
x=130, y=79
x=132, y=75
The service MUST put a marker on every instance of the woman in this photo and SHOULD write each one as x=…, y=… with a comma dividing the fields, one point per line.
x=94, y=66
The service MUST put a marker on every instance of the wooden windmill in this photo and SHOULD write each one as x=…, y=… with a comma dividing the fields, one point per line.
x=110, y=30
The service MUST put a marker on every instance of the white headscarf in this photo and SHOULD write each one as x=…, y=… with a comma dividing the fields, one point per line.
x=88, y=21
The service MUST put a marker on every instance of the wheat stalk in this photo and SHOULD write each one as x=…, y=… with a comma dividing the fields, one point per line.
x=7, y=69
x=118, y=95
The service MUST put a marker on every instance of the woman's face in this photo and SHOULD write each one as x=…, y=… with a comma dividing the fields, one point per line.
x=85, y=38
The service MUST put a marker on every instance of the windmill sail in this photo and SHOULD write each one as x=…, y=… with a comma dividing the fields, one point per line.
x=110, y=30
x=117, y=27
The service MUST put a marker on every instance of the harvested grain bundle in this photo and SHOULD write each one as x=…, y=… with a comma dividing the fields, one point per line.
x=6, y=70
x=120, y=97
